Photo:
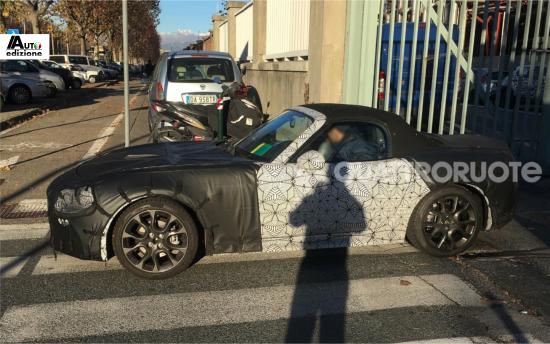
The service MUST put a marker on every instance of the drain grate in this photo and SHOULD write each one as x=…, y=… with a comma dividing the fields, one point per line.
x=30, y=208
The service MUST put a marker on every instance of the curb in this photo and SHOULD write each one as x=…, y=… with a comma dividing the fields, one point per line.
x=9, y=123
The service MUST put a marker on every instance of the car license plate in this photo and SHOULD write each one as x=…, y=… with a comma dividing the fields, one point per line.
x=199, y=99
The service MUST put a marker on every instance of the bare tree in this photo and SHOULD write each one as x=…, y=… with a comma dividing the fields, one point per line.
x=34, y=10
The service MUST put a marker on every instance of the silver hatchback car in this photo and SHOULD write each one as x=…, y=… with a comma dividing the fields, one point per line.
x=191, y=77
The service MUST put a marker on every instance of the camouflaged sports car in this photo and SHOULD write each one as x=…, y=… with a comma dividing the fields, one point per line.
x=316, y=176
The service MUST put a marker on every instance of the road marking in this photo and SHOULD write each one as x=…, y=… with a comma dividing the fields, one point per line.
x=455, y=340
x=14, y=271
x=34, y=145
x=106, y=133
x=6, y=163
x=103, y=137
x=67, y=264
x=103, y=316
x=24, y=231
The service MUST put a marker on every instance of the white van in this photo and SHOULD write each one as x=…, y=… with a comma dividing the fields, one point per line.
x=84, y=62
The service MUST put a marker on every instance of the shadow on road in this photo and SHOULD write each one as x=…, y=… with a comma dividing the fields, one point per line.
x=321, y=287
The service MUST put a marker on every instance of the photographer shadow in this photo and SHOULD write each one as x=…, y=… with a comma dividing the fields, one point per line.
x=321, y=291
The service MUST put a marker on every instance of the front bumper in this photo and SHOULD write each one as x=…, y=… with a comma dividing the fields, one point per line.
x=78, y=235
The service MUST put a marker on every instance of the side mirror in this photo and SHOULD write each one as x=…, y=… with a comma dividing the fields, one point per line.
x=311, y=160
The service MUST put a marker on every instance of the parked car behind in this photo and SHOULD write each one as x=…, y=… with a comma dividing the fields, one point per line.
x=19, y=89
x=78, y=76
x=192, y=78
x=83, y=62
x=28, y=70
x=68, y=78
x=110, y=73
x=2, y=96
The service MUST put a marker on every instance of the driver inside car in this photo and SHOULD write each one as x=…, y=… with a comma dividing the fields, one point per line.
x=345, y=143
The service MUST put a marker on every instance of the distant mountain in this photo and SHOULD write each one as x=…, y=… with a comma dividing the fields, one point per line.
x=179, y=39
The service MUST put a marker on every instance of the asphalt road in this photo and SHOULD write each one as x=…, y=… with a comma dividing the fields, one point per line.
x=497, y=292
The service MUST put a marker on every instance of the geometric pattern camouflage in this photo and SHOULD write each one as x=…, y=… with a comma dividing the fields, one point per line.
x=370, y=204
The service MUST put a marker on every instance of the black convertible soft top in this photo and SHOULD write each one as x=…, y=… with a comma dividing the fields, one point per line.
x=405, y=139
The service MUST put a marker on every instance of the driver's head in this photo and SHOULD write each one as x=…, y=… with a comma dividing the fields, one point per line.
x=336, y=135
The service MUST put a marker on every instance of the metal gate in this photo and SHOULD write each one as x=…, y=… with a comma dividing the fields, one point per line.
x=454, y=66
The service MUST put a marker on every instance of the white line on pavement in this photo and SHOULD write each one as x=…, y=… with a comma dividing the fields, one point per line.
x=66, y=264
x=106, y=133
x=8, y=162
x=13, y=272
x=103, y=137
x=102, y=316
x=24, y=231
x=34, y=145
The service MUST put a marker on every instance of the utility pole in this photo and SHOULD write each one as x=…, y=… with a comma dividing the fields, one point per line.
x=126, y=89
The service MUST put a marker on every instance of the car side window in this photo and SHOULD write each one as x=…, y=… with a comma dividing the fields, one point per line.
x=352, y=142
x=17, y=66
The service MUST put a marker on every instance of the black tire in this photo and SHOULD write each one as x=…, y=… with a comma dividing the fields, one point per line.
x=146, y=241
x=438, y=235
x=53, y=92
x=19, y=94
x=76, y=84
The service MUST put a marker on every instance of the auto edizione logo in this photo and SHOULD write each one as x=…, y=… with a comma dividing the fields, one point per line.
x=25, y=46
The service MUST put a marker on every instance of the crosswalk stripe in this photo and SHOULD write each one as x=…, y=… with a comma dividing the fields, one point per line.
x=24, y=231
x=454, y=340
x=115, y=315
x=48, y=264
x=12, y=272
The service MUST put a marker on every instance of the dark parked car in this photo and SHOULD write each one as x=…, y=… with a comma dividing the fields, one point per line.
x=65, y=74
x=280, y=188
x=2, y=96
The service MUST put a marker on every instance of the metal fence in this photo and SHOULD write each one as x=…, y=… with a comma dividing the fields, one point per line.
x=287, y=29
x=459, y=66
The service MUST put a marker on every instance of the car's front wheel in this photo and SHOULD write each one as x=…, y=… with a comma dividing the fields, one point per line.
x=155, y=238
x=19, y=94
x=76, y=83
x=446, y=222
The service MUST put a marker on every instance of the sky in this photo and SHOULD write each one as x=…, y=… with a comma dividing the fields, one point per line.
x=183, y=21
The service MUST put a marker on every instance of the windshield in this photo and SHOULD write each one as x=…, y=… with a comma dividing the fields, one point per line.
x=194, y=69
x=268, y=141
x=78, y=60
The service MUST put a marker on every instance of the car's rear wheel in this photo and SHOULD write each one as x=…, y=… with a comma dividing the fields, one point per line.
x=446, y=222
x=155, y=238
x=19, y=94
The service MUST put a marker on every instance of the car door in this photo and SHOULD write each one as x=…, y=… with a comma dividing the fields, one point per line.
x=360, y=195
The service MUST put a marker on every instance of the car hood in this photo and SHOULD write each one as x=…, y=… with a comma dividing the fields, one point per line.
x=158, y=157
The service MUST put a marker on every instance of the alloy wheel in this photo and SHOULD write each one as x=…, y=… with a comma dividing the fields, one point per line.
x=449, y=223
x=154, y=241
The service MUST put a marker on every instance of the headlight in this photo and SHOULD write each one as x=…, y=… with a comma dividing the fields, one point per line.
x=72, y=201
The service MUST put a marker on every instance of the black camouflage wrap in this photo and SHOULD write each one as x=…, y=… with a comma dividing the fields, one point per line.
x=218, y=189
